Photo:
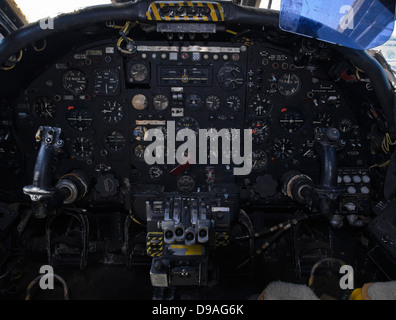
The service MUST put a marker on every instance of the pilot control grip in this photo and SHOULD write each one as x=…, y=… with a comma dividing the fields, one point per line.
x=41, y=189
x=329, y=141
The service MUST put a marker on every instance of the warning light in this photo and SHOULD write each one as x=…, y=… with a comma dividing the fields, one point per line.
x=284, y=109
x=70, y=108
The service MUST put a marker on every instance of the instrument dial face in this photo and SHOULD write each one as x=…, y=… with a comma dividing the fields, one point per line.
x=155, y=172
x=233, y=103
x=115, y=141
x=212, y=103
x=79, y=118
x=82, y=148
x=139, y=151
x=345, y=125
x=139, y=102
x=323, y=119
x=259, y=160
x=188, y=123
x=160, y=102
x=283, y=148
x=289, y=84
x=260, y=105
x=138, y=73
x=107, y=82
x=291, y=120
x=308, y=150
x=75, y=81
x=112, y=112
x=260, y=131
x=194, y=102
x=186, y=183
x=230, y=77
x=44, y=108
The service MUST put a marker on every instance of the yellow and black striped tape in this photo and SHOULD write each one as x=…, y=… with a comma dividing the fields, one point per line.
x=207, y=11
x=154, y=244
x=222, y=239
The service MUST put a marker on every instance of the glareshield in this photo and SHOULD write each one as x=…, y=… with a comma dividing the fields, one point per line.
x=358, y=24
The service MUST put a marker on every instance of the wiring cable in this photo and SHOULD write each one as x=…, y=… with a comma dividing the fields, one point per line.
x=37, y=280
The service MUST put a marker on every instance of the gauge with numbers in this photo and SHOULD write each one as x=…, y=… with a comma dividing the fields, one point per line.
x=160, y=102
x=323, y=119
x=259, y=159
x=289, y=84
x=79, y=118
x=260, y=131
x=233, y=103
x=107, y=82
x=115, y=141
x=230, y=77
x=139, y=102
x=75, y=81
x=138, y=151
x=112, y=112
x=212, y=103
x=308, y=150
x=283, y=148
x=259, y=105
x=155, y=172
x=187, y=123
x=82, y=148
x=44, y=108
x=138, y=73
x=193, y=102
x=345, y=125
x=291, y=120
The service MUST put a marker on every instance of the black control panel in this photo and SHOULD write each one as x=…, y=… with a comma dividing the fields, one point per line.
x=106, y=104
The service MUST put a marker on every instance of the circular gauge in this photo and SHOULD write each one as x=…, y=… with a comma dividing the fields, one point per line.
x=345, y=125
x=138, y=73
x=75, y=81
x=291, y=120
x=112, y=112
x=139, y=102
x=283, y=148
x=260, y=131
x=323, y=120
x=115, y=141
x=259, y=105
x=259, y=159
x=139, y=133
x=155, y=172
x=44, y=108
x=186, y=183
x=230, y=77
x=289, y=84
x=79, y=118
x=233, y=103
x=193, y=102
x=82, y=148
x=107, y=82
x=139, y=151
x=308, y=150
x=160, y=102
x=212, y=103
x=187, y=123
